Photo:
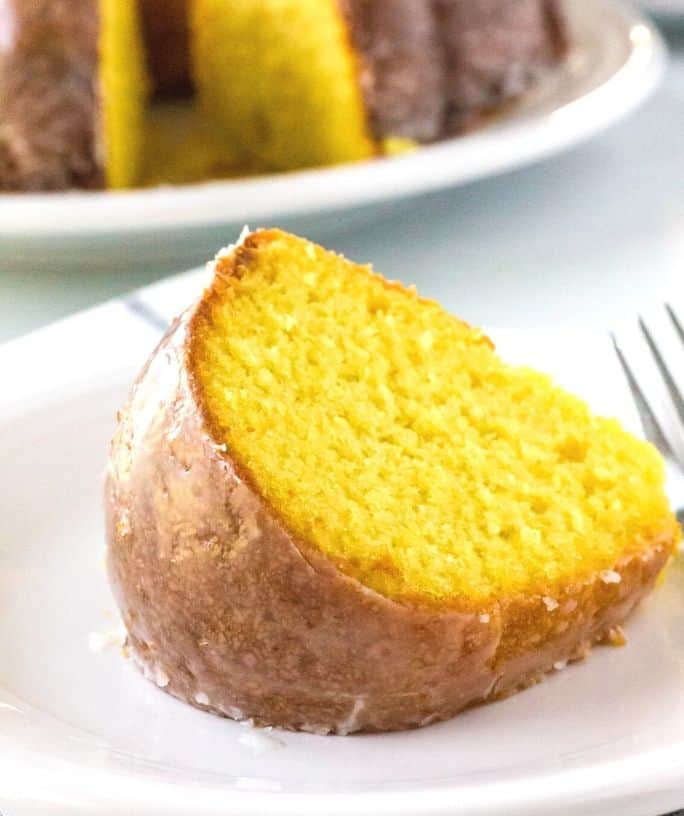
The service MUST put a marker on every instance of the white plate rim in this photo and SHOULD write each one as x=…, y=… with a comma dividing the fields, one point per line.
x=486, y=152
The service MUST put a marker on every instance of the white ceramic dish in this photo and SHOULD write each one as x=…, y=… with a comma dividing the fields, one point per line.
x=617, y=60
x=84, y=733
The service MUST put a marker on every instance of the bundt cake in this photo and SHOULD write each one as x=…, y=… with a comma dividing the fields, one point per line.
x=279, y=84
x=331, y=506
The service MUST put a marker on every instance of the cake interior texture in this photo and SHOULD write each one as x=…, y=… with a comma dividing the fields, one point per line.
x=181, y=147
x=298, y=104
x=123, y=91
x=390, y=436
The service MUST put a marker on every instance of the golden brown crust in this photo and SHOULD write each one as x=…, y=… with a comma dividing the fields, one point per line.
x=495, y=50
x=432, y=68
x=226, y=610
x=400, y=67
x=49, y=121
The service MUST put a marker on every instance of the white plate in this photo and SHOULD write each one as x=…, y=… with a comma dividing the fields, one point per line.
x=617, y=59
x=85, y=733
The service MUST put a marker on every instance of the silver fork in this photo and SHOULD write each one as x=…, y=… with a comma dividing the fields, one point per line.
x=651, y=353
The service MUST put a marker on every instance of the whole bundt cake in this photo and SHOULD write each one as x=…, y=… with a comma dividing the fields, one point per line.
x=260, y=85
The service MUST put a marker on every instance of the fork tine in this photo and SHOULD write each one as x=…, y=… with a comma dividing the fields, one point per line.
x=654, y=355
x=678, y=327
x=665, y=373
x=649, y=421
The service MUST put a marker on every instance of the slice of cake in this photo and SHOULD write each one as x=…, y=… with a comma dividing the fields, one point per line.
x=284, y=84
x=72, y=94
x=332, y=506
x=278, y=80
x=295, y=83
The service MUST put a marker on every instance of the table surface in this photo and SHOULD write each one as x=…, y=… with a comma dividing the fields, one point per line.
x=586, y=238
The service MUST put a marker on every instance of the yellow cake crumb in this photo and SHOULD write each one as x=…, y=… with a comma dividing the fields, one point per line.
x=391, y=436
x=616, y=637
x=181, y=148
x=398, y=146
